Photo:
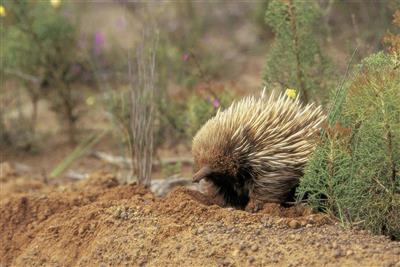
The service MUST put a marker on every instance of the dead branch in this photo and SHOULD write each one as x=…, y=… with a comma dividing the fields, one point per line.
x=23, y=76
x=143, y=93
x=125, y=162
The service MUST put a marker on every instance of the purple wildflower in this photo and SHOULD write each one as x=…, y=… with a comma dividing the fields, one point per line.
x=216, y=103
x=186, y=57
x=98, y=42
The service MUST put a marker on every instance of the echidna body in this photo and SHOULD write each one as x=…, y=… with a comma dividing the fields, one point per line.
x=257, y=148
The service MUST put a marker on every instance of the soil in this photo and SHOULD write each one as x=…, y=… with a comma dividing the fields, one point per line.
x=99, y=222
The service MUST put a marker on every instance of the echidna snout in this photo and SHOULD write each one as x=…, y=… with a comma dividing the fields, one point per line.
x=232, y=188
x=204, y=172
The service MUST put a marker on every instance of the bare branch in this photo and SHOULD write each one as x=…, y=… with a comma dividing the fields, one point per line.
x=143, y=91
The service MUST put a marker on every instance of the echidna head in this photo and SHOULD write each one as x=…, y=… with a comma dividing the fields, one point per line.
x=233, y=188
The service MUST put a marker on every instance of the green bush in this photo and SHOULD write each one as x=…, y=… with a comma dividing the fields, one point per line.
x=296, y=59
x=354, y=172
x=40, y=50
x=169, y=170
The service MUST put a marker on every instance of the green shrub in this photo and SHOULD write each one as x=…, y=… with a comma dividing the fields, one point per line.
x=169, y=170
x=354, y=172
x=296, y=59
x=40, y=50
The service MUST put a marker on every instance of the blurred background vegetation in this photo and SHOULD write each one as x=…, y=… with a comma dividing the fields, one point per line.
x=70, y=59
x=69, y=70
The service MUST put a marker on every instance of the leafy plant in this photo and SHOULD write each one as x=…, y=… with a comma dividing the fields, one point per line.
x=354, y=172
x=40, y=50
x=296, y=59
x=171, y=169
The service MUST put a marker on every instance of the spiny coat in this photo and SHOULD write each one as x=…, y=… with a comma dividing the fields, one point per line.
x=257, y=148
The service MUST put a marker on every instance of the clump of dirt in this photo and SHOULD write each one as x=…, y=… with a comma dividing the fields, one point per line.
x=293, y=211
x=100, y=222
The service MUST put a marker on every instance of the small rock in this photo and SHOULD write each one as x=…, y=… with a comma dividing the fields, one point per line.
x=337, y=253
x=242, y=246
x=82, y=229
x=349, y=252
x=294, y=224
x=254, y=248
x=251, y=259
x=334, y=245
x=235, y=253
x=226, y=262
x=124, y=215
x=117, y=213
x=200, y=230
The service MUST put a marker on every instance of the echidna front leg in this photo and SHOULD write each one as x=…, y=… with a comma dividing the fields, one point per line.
x=254, y=206
x=256, y=203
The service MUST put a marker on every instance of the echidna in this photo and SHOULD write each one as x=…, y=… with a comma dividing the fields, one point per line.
x=257, y=148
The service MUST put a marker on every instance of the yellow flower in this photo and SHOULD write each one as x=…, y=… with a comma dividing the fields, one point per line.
x=55, y=3
x=2, y=11
x=291, y=93
x=90, y=101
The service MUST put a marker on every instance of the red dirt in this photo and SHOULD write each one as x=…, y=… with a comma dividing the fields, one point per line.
x=100, y=222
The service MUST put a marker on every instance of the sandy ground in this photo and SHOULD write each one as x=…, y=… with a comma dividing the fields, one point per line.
x=98, y=222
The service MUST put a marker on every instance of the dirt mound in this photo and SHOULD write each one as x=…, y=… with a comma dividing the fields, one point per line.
x=100, y=222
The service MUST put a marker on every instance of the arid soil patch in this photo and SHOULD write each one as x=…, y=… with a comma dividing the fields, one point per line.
x=98, y=222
